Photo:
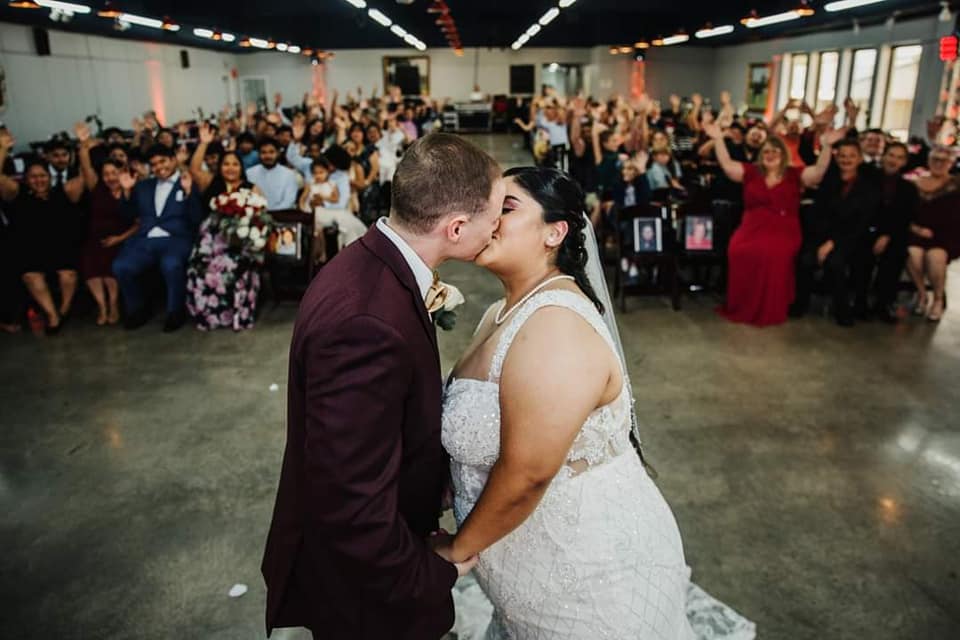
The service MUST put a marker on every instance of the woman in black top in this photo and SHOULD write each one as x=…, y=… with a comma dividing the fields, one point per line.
x=46, y=229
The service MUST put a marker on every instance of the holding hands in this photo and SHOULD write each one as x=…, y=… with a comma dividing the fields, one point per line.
x=441, y=543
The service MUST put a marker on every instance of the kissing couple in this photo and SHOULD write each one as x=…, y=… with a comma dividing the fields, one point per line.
x=556, y=516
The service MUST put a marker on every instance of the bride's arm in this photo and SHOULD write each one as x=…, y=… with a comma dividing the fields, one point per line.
x=546, y=394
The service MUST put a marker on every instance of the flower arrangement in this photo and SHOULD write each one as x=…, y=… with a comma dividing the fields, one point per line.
x=242, y=217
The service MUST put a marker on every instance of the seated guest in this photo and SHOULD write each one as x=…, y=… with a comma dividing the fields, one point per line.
x=45, y=233
x=247, y=149
x=763, y=250
x=223, y=282
x=322, y=198
x=277, y=182
x=934, y=238
x=848, y=202
x=169, y=211
x=366, y=171
x=665, y=172
x=59, y=166
x=106, y=231
x=340, y=160
x=872, y=145
x=898, y=203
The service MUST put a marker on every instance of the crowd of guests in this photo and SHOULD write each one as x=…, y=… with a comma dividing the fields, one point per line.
x=812, y=202
x=114, y=206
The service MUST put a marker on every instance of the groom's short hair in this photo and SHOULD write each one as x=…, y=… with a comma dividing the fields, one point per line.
x=441, y=173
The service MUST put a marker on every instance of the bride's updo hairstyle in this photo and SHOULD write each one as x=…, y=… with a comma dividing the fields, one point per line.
x=562, y=201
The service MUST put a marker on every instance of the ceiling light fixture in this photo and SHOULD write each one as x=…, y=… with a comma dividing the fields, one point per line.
x=710, y=31
x=548, y=17
x=23, y=4
x=379, y=17
x=203, y=33
x=282, y=46
x=293, y=49
x=566, y=3
x=843, y=5
x=140, y=21
x=108, y=11
x=657, y=42
x=534, y=30
x=804, y=10
x=68, y=7
x=245, y=42
x=945, y=14
x=359, y=4
x=625, y=49
x=675, y=39
x=259, y=43
x=228, y=37
x=614, y=50
x=755, y=22
x=642, y=44
x=398, y=31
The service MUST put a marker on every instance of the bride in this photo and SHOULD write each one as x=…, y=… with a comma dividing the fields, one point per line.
x=574, y=538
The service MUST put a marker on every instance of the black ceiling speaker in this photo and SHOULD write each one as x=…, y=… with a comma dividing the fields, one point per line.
x=41, y=39
x=184, y=58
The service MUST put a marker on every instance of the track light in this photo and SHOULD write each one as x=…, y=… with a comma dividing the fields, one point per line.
x=711, y=32
x=548, y=17
x=66, y=7
x=843, y=5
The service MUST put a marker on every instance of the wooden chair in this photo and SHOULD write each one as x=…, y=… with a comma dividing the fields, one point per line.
x=665, y=261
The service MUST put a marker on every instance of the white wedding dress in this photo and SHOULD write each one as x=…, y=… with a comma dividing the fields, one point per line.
x=601, y=555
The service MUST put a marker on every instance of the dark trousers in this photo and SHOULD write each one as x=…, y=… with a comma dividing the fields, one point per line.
x=845, y=272
x=889, y=267
x=140, y=254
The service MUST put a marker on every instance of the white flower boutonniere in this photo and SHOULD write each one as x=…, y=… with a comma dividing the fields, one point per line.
x=446, y=316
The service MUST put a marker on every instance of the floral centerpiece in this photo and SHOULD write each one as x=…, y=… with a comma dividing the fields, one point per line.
x=242, y=217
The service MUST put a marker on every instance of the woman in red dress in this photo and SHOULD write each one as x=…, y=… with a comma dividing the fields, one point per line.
x=107, y=231
x=763, y=250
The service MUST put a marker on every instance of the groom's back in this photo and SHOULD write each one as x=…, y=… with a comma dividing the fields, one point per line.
x=363, y=403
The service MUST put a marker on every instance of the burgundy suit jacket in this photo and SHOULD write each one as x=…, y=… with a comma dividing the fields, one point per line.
x=363, y=470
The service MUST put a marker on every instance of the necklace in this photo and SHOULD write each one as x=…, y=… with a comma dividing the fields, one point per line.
x=501, y=317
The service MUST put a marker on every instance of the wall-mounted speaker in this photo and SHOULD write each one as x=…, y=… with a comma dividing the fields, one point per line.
x=184, y=58
x=41, y=39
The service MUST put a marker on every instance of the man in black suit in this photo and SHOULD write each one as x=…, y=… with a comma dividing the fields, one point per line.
x=847, y=203
x=889, y=242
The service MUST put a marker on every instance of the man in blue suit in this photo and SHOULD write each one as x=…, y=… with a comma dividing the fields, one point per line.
x=169, y=211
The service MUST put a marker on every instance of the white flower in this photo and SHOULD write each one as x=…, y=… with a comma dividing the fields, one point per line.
x=454, y=298
x=259, y=243
x=248, y=210
x=213, y=204
x=243, y=232
x=254, y=234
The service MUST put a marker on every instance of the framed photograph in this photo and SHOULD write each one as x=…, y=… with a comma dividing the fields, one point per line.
x=758, y=86
x=698, y=233
x=286, y=240
x=647, y=235
x=410, y=73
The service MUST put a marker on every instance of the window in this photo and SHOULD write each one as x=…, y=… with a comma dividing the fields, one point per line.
x=827, y=82
x=861, y=83
x=904, y=70
x=798, y=76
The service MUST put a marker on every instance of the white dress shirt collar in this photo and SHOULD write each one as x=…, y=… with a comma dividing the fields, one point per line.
x=422, y=273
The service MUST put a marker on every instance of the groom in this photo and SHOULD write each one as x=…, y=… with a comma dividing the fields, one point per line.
x=363, y=471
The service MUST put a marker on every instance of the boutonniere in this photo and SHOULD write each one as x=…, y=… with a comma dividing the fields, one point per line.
x=442, y=301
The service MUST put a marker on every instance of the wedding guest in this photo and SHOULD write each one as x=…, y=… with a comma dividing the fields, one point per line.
x=59, y=166
x=107, y=230
x=323, y=199
x=848, y=202
x=169, y=211
x=223, y=281
x=872, y=145
x=934, y=239
x=340, y=160
x=889, y=251
x=45, y=230
x=247, y=149
x=277, y=182
x=763, y=249
x=366, y=171
x=665, y=171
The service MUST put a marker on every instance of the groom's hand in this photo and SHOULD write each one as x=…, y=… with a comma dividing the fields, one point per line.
x=442, y=542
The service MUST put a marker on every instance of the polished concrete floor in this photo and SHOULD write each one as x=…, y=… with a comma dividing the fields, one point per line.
x=814, y=471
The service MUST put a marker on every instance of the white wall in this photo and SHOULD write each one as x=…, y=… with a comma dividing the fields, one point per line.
x=668, y=70
x=731, y=63
x=116, y=79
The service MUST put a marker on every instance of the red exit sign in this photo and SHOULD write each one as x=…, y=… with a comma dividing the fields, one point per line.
x=948, y=48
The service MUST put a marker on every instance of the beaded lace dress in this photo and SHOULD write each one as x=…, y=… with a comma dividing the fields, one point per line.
x=601, y=555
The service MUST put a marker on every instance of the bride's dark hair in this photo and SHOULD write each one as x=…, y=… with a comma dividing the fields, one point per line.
x=562, y=200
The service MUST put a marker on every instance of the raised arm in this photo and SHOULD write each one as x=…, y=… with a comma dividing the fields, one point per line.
x=732, y=168
x=9, y=188
x=354, y=381
x=543, y=409
x=90, y=177
x=595, y=131
x=813, y=174
x=203, y=177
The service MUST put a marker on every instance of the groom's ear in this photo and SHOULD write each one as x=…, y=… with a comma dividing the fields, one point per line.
x=558, y=231
x=454, y=227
